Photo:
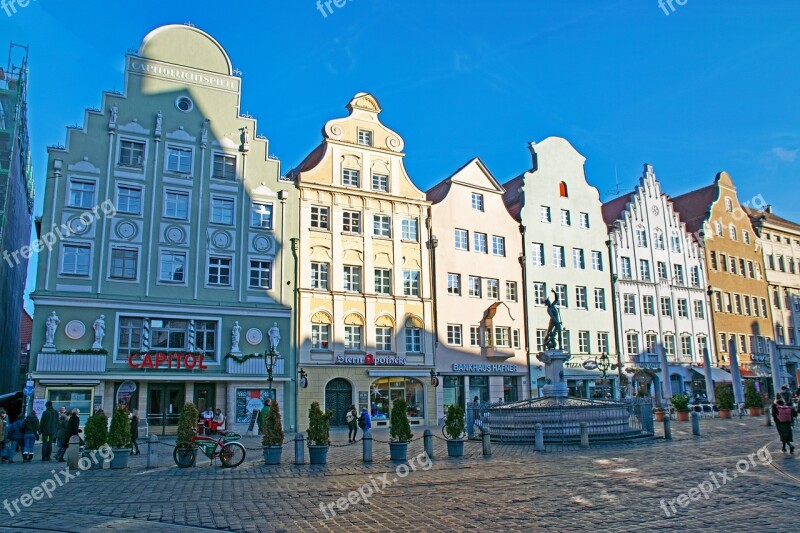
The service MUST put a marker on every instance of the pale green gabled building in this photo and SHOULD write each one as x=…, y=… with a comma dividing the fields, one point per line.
x=168, y=218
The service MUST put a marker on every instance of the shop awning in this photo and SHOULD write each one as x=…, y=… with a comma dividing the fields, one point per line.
x=717, y=375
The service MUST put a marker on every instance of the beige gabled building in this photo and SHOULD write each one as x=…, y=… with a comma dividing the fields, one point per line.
x=364, y=311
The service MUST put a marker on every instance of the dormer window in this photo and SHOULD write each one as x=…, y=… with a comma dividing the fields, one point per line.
x=365, y=137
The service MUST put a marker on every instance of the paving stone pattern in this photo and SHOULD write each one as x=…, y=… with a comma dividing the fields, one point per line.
x=608, y=487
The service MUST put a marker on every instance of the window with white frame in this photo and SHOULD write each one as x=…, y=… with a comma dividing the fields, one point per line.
x=723, y=342
x=686, y=346
x=172, y=267
x=584, y=220
x=540, y=334
x=224, y=167
x=319, y=276
x=319, y=217
x=380, y=183
x=261, y=216
x=600, y=299
x=219, y=271
x=669, y=345
x=409, y=229
x=413, y=340
x=222, y=210
x=475, y=336
x=629, y=304
x=516, y=339
x=718, y=228
x=544, y=214
x=498, y=245
x=511, y=291
x=662, y=271
x=129, y=338
x=641, y=237
x=75, y=260
x=625, y=268
x=179, y=160
x=561, y=294
x=597, y=261
x=539, y=292
x=129, y=200
x=559, y=261
x=658, y=240
x=728, y=205
x=454, y=334
x=675, y=243
x=461, y=239
x=131, y=153
x=168, y=334
x=732, y=232
x=644, y=270
x=502, y=337
x=260, y=274
x=176, y=205
x=683, y=308
x=352, y=278
x=583, y=342
x=81, y=193
x=124, y=262
x=383, y=281
x=477, y=201
x=747, y=309
x=578, y=260
x=474, y=286
x=565, y=218
x=411, y=283
x=537, y=254
x=746, y=236
x=695, y=274
x=651, y=340
x=352, y=338
x=666, y=306
x=632, y=344
x=454, y=284
x=648, y=305
x=364, y=137
x=320, y=336
x=581, y=298
x=381, y=225
x=479, y=242
x=493, y=289
x=350, y=177
x=677, y=273
x=351, y=221
x=602, y=342
x=702, y=345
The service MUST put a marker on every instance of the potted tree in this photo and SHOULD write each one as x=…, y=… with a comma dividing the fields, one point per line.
x=681, y=404
x=119, y=438
x=724, y=395
x=187, y=424
x=95, y=437
x=752, y=401
x=272, y=430
x=400, y=432
x=454, y=429
x=319, y=438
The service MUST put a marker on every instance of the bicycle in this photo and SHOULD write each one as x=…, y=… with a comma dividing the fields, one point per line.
x=230, y=452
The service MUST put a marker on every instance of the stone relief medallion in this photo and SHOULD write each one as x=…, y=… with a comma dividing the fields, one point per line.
x=254, y=336
x=77, y=226
x=221, y=239
x=262, y=244
x=655, y=210
x=126, y=230
x=75, y=329
x=175, y=235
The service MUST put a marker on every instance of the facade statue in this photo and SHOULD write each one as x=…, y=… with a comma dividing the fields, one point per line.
x=274, y=335
x=553, y=335
x=204, y=132
x=51, y=324
x=235, y=337
x=114, y=113
x=99, y=332
x=159, y=120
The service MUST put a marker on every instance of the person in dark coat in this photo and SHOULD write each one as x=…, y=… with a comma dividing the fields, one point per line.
x=49, y=428
x=14, y=436
x=783, y=415
x=30, y=431
x=352, y=423
x=134, y=431
x=63, y=417
x=72, y=429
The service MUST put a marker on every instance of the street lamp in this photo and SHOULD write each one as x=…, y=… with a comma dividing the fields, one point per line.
x=269, y=362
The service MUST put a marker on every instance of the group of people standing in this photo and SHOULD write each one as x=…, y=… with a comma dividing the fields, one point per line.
x=784, y=413
x=54, y=429
x=355, y=421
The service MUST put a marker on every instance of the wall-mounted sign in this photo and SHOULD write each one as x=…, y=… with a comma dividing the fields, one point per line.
x=125, y=393
x=590, y=365
x=167, y=360
x=369, y=359
x=484, y=368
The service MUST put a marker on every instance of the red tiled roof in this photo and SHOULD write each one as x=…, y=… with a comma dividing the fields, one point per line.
x=694, y=207
x=612, y=210
x=513, y=196
x=760, y=217
x=26, y=328
x=310, y=161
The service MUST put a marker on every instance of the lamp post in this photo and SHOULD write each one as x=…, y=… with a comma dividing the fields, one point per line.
x=269, y=362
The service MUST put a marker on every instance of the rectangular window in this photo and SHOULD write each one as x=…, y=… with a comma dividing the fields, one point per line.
x=260, y=274
x=537, y=254
x=222, y=210
x=352, y=278
x=544, y=214
x=648, y=307
x=597, y=261
x=540, y=333
x=411, y=283
x=219, y=271
x=723, y=342
x=699, y=310
x=746, y=236
x=516, y=338
x=454, y=284
x=600, y=299
x=718, y=301
x=477, y=201
x=498, y=246
x=320, y=336
x=747, y=309
x=629, y=304
x=584, y=219
x=666, y=306
x=686, y=346
x=644, y=270
x=632, y=344
x=350, y=177
x=261, y=216
x=511, y=291
x=475, y=286
x=352, y=338
x=81, y=193
x=130, y=336
x=454, y=334
x=493, y=289
x=169, y=334
x=413, y=340
x=501, y=337
x=662, y=271
x=675, y=243
x=696, y=276
x=410, y=229
x=583, y=342
x=578, y=259
x=351, y=222
x=733, y=265
x=179, y=160
x=728, y=307
x=677, y=271
x=764, y=307
x=737, y=304
x=559, y=261
x=224, y=167
x=742, y=267
x=641, y=238
x=319, y=217
x=650, y=343
x=565, y=219
x=380, y=183
x=76, y=260
x=581, y=298
x=475, y=336
x=625, y=268
x=383, y=281
x=131, y=153
x=172, y=268
x=364, y=137
x=382, y=225
x=319, y=276
x=742, y=344
x=683, y=308
x=723, y=259
x=669, y=345
x=479, y=242
x=123, y=263
x=176, y=205
x=561, y=294
x=539, y=292
x=602, y=342
x=714, y=265
x=129, y=200
x=462, y=239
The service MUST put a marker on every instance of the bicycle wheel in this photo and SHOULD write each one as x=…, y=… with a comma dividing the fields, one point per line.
x=184, y=455
x=232, y=455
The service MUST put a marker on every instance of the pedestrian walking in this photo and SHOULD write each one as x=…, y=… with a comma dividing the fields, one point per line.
x=49, y=428
x=30, y=432
x=14, y=436
x=352, y=423
x=472, y=416
x=134, y=431
x=364, y=420
x=786, y=395
x=72, y=429
x=783, y=415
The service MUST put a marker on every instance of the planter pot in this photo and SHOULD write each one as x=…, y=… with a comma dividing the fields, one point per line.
x=683, y=416
x=272, y=455
x=455, y=447
x=724, y=413
x=659, y=416
x=120, y=459
x=318, y=455
x=754, y=411
x=98, y=465
x=398, y=451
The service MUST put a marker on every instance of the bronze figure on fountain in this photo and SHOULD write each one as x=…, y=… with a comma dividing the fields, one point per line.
x=553, y=334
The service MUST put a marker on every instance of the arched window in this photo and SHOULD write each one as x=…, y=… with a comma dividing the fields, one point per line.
x=320, y=331
x=562, y=190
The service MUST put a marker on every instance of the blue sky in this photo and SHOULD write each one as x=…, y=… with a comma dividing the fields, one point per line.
x=712, y=86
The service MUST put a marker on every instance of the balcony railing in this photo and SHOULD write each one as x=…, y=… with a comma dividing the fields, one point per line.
x=253, y=367
x=71, y=362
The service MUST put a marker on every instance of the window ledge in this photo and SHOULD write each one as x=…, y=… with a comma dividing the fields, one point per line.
x=319, y=230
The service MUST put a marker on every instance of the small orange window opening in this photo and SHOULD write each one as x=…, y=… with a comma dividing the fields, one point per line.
x=562, y=190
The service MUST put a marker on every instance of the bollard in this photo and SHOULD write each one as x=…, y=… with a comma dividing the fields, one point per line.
x=152, y=451
x=538, y=437
x=768, y=413
x=427, y=441
x=667, y=428
x=73, y=452
x=487, y=443
x=366, y=446
x=695, y=424
x=584, y=435
x=299, y=449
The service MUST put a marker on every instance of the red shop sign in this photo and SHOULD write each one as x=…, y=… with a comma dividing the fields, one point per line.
x=167, y=360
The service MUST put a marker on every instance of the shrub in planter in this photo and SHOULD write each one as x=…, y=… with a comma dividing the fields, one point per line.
x=725, y=400
x=319, y=434
x=752, y=401
x=681, y=404
x=187, y=423
x=272, y=431
x=400, y=432
x=119, y=438
x=95, y=435
x=454, y=428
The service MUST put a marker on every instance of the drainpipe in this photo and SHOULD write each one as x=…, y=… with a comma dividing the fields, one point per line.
x=295, y=248
x=614, y=309
x=524, y=291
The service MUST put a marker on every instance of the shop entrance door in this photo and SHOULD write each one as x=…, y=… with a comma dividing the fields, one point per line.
x=338, y=396
x=164, y=405
x=204, y=396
